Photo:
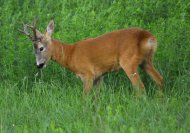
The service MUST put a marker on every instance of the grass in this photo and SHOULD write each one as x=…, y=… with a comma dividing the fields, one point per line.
x=48, y=107
x=51, y=100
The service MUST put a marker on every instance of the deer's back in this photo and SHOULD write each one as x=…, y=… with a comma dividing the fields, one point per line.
x=102, y=53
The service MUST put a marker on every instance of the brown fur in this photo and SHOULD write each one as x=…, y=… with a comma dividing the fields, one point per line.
x=91, y=58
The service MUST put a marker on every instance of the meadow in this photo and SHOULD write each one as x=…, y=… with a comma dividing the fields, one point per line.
x=51, y=100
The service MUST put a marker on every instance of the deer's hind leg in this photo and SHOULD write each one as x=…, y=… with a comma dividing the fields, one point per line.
x=154, y=74
x=130, y=67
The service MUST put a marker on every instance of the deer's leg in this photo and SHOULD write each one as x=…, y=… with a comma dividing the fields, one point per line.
x=87, y=84
x=97, y=81
x=97, y=84
x=130, y=67
x=149, y=68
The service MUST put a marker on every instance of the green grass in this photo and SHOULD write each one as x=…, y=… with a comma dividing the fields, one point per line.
x=49, y=107
x=51, y=100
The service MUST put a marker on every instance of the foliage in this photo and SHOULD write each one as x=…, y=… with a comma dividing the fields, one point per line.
x=51, y=100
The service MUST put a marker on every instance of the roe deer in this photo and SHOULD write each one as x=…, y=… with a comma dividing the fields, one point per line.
x=90, y=59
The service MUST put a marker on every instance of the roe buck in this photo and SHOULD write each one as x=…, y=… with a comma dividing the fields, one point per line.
x=90, y=59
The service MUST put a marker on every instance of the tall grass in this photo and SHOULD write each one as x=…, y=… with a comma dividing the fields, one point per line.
x=51, y=100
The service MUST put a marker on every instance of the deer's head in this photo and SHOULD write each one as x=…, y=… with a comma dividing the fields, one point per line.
x=41, y=42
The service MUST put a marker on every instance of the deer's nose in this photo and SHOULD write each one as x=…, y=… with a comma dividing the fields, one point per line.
x=40, y=65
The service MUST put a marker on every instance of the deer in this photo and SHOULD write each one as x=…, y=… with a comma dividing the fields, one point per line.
x=90, y=59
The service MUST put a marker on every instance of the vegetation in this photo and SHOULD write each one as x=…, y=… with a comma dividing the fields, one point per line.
x=51, y=100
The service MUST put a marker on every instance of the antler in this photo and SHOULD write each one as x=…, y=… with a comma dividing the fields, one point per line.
x=25, y=30
x=34, y=28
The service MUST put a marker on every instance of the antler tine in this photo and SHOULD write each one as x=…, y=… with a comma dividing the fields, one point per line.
x=34, y=22
x=24, y=31
x=34, y=27
x=30, y=26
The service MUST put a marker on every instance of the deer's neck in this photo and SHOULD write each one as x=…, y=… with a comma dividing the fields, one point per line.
x=61, y=52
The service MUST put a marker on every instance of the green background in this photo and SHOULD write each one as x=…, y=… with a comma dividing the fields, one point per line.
x=51, y=100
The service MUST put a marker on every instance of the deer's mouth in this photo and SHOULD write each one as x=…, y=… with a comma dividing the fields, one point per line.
x=41, y=65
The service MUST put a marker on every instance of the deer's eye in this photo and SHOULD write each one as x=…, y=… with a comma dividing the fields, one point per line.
x=41, y=49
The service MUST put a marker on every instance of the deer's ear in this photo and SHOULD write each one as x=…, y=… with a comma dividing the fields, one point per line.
x=50, y=28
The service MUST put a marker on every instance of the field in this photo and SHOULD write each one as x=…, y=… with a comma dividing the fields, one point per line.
x=51, y=100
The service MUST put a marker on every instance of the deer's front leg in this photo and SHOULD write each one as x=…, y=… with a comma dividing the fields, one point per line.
x=87, y=84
